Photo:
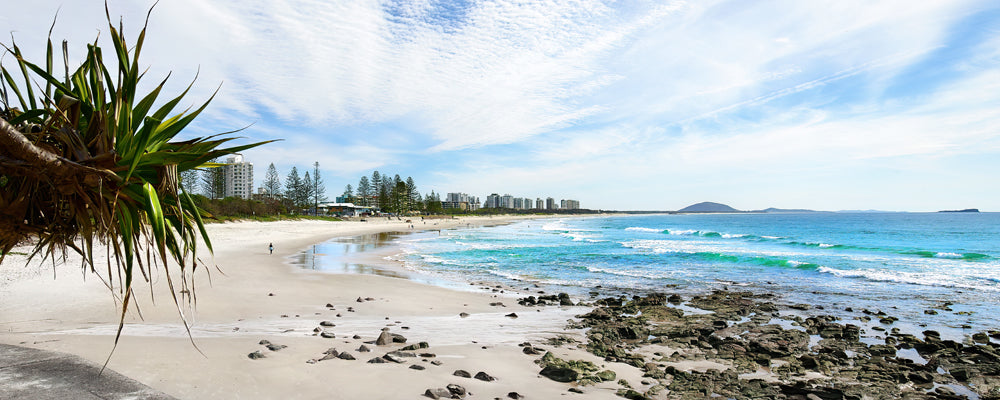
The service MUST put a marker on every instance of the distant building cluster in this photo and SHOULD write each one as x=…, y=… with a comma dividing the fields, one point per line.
x=460, y=201
x=526, y=203
x=238, y=177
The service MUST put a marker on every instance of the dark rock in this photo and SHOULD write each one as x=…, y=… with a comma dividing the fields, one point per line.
x=276, y=347
x=328, y=335
x=961, y=373
x=462, y=373
x=356, y=337
x=329, y=356
x=331, y=351
x=377, y=360
x=980, y=337
x=360, y=300
x=606, y=375
x=384, y=339
x=560, y=374
x=421, y=345
x=346, y=356
x=326, y=323
x=418, y=367
x=428, y=355
x=484, y=377
x=457, y=390
x=256, y=355
x=463, y=315
x=511, y=315
x=436, y=362
x=394, y=358
x=575, y=390
x=439, y=393
x=514, y=395
x=920, y=377
x=363, y=349
x=397, y=338
x=264, y=342
x=531, y=350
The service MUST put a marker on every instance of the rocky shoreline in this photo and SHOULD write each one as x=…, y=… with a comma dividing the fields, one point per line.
x=740, y=346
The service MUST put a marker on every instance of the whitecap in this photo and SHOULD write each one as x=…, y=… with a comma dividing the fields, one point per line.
x=642, y=229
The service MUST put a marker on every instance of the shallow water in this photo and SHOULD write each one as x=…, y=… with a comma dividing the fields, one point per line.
x=899, y=263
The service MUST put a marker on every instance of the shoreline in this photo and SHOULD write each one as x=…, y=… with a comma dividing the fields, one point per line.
x=265, y=297
x=261, y=297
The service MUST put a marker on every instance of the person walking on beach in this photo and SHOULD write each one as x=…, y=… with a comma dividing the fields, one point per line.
x=270, y=248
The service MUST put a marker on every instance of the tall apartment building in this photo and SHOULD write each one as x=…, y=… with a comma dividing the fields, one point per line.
x=550, y=204
x=569, y=204
x=239, y=177
x=506, y=201
x=492, y=201
x=461, y=201
x=539, y=204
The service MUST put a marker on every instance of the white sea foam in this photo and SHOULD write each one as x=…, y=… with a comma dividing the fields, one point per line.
x=948, y=255
x=682, y=232
x=555, y=226
x=825, y=245
x=512, y=275
x=642, y=229
x=634, y=274
x=913, y=278
x=733, y=235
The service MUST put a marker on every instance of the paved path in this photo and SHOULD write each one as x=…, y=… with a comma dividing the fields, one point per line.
x=33, y=374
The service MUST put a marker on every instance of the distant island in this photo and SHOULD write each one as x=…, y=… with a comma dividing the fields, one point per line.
x=967, y=210
x=708, y=207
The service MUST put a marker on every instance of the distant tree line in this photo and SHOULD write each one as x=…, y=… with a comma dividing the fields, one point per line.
x=299, y=192
x=392, y=195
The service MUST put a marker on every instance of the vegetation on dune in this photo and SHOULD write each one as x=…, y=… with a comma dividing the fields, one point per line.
x=87, y=160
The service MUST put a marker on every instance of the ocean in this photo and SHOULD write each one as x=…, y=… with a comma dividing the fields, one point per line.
x=938, y=270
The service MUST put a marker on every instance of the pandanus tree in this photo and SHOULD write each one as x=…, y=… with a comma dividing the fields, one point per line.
x=87, y=164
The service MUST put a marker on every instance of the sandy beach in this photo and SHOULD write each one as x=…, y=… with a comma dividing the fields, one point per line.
x=374, y=335
x=256, y=296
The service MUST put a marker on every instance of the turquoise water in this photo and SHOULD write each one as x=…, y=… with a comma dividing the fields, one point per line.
x=900, y=263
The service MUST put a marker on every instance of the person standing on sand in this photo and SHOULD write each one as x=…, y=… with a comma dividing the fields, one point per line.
x=270, y=248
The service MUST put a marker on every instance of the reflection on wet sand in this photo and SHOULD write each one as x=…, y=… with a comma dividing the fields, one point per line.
x=351, y=255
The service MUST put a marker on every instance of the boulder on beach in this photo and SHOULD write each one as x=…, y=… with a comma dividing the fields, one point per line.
x=384, y=339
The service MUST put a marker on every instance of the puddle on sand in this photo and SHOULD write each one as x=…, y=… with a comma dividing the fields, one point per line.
x=958, y=389
x=688, y=310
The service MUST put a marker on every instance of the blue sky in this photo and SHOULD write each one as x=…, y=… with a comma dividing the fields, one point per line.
x=630, y=105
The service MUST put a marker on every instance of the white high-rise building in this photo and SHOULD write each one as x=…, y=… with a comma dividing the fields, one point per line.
x=569, y=204
x=239, y=177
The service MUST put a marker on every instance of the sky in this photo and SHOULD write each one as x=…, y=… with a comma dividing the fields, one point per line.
x=623, y=105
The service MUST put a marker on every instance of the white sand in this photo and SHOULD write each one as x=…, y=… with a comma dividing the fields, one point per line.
x=78, y=316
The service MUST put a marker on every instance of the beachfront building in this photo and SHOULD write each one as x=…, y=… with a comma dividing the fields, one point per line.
x=539, y=204
x=492, y=201
x=506, y=201
x=460, y=201
x=518, y=203
x=550, y=204
x=343, y=209
x=569, y=204
x=238, y=177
